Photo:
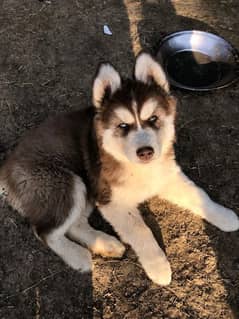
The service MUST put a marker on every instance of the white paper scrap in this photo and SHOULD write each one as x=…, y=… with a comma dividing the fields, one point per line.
x=107, y=30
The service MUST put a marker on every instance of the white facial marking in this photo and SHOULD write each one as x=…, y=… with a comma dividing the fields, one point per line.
x=113, y=146
x=140, y=138
x=148, y=109
x=124, y=115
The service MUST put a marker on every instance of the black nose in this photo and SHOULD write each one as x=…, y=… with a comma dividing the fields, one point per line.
x=145, y=153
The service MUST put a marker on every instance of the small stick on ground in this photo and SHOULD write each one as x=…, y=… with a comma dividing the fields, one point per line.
x=34, y=285
x=38, y=304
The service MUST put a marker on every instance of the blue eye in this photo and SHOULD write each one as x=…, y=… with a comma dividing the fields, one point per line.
x=123, y=126
x=153, y=119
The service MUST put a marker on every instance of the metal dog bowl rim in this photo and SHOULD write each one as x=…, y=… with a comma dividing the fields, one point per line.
x=234, y=51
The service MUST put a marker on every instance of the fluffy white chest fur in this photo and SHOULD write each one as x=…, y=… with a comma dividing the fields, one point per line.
x=141, y=182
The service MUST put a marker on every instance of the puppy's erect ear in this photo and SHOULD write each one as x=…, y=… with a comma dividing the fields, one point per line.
x=106, y=82
x=147, y=69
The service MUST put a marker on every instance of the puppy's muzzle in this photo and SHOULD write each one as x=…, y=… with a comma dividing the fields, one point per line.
x=145, y=153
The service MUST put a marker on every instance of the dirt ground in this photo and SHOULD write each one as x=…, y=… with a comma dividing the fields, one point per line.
x=49, y=51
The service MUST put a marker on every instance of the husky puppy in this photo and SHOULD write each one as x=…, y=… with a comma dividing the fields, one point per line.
x=115, y=156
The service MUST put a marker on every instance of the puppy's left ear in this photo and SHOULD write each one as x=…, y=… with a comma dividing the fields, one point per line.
x=147, y=69
x=106, y=82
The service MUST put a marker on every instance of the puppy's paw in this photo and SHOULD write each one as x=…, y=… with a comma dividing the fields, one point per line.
x=159, y=272
x=108, y=246
x=81, y=260
x=231, y=222
x=226, y=220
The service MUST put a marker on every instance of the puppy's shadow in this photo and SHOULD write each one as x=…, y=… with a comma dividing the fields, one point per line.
x=151, y=222
x=161, y=18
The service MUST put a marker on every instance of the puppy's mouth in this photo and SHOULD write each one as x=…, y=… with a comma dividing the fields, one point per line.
x=145, y=161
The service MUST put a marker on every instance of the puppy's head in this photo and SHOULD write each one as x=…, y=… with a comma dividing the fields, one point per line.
x=136, y=117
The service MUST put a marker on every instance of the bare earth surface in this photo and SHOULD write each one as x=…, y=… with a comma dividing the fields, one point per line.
x=49, y=51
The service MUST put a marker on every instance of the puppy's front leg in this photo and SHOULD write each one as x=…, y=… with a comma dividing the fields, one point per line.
x=130, y=226
x=182, y=191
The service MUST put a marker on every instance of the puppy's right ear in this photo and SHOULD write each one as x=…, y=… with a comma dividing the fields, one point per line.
x=106, y=82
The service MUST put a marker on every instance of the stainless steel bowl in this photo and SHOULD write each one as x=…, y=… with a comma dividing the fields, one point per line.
x=198, y=61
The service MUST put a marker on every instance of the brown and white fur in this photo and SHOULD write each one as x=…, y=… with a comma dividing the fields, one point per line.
x=115, y=156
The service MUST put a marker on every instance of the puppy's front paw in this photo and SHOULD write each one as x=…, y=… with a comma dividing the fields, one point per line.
x=231, y=222
x=159, y=271
x=108, y=246
x=226, y=219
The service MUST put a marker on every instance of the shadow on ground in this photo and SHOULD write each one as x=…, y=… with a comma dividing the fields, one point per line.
x=48, y=54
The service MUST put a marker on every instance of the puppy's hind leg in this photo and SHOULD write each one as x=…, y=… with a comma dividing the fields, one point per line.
x=97, y=241
x=73, y=254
